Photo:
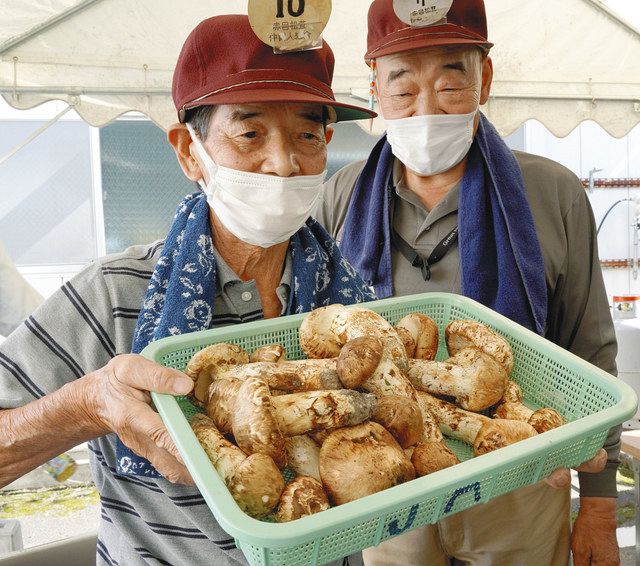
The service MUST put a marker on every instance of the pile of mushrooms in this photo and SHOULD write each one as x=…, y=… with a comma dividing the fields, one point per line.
x=365, y=411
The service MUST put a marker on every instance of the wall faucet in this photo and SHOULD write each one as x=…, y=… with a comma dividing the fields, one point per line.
x=591, y=180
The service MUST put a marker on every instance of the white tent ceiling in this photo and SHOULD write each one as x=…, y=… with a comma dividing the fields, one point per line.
x=560, y=62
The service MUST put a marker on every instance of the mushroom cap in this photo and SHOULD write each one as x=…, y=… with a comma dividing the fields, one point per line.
x=498, y=433
x=407, y=340
x=546, y=419
x=303, y=455
x=489, y=378
x=402, y=417
x=301, y=497
x=355, y=322
x=358, y=359
x=254, y=423
x=270, y=353
x=360, y=460
x=257, y=485
x=315, y=335
x=319, y=436
x=429, y=457
x=470, y=333
x=221, y=402
x=204, y=365
x=512, y=392
x=424, y=332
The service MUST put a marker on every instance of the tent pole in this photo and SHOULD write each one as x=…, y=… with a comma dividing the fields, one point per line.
x=51, y=22
x=34, y=135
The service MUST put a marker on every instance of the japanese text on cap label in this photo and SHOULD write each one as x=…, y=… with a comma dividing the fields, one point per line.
x=422, y=13
x=289, y=25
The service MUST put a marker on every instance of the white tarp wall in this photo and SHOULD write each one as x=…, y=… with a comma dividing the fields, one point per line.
x=560, y=62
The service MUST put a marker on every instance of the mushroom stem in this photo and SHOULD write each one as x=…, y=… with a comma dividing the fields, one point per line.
x=299, y=413
x=254, y=481
x=453, y=421
x=475, y=379
x=290, y=376
x=303, y=455
x=294, y=413
x=483, y=433
x=512, y=407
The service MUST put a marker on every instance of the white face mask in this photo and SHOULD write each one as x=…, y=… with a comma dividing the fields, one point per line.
x=262, y=210
x=431, y=144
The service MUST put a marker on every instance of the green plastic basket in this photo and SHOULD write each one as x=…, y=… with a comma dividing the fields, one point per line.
x=590, y=400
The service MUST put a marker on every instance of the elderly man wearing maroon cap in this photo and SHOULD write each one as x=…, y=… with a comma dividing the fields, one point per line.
x=252, y=130
x=443, y=205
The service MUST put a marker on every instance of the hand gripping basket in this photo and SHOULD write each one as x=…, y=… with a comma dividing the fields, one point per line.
x=590, y=400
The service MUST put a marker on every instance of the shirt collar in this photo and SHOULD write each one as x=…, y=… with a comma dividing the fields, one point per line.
x=226, y=275
x=446, y=206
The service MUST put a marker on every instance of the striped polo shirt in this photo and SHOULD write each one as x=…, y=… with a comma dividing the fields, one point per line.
x=79, y=329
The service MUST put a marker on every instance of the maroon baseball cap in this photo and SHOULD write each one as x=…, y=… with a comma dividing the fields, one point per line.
x=466, y=24
x=224, y=62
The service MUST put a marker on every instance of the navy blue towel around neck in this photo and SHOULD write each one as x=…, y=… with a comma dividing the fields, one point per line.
x=181, y=294
x=500, y=255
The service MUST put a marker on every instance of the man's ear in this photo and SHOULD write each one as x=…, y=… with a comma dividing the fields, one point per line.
x=180, y=139
x=328, y=134
x=487, y=78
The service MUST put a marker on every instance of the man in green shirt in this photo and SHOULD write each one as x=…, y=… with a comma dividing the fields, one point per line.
x=443, y=205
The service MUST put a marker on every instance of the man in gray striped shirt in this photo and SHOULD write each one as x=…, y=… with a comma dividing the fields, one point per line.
x=242, y=249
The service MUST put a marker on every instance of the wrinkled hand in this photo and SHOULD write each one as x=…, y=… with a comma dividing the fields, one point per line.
x=561, y=478
x=593, y=538
x=118, y=400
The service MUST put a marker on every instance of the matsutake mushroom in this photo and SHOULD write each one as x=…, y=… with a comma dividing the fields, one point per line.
x=259, y=421
x=360, y=460
x=483, y=433
x=270, y=353
x=475, y=379
x=365, y=363
x=301, y=497
x=402, y=417
x=205, y=364
x=512, y=407
x=419, y=333
x=289, y=376
x=326, y=330
x=461, y=334
x=254, y=481
x=254, y=423
x=303, y=455
x=431, y=453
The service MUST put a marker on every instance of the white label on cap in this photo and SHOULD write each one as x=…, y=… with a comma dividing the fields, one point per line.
x=289, y=25
x=421, y=13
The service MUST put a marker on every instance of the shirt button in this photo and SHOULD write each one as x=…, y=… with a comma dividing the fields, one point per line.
x=246, y=296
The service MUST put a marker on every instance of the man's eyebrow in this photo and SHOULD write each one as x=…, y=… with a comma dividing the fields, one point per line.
x=240, y=115
x=457, y=66
x=394, y=75
x=312, y=116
